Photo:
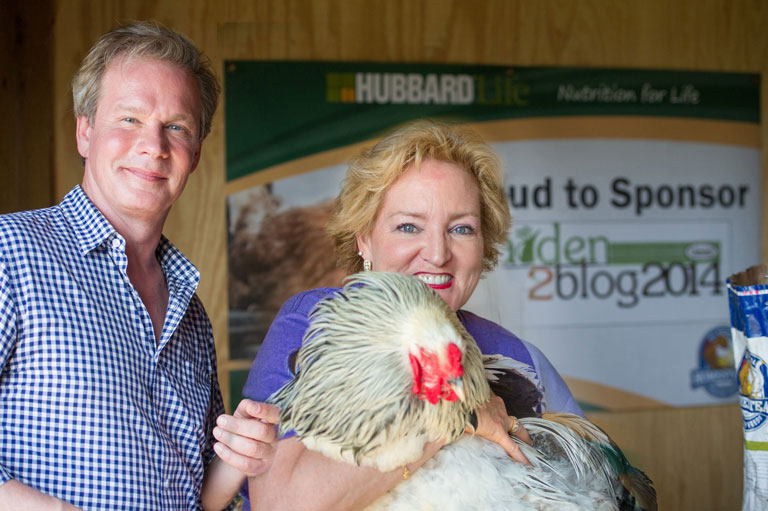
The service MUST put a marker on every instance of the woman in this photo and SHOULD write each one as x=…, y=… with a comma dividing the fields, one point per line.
x=426, y=201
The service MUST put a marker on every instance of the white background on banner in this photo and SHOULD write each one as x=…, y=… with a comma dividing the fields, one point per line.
x=652, y=347
x=649, y=345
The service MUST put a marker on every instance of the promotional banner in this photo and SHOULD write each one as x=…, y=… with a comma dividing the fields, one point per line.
x=634, y=193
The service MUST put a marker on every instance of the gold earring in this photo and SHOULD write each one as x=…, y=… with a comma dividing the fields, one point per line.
x=366, y=263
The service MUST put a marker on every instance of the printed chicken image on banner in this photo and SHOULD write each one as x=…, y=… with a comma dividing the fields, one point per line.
x=634, y=194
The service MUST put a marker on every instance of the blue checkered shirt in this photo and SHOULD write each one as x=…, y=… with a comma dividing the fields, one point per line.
x=92, y=410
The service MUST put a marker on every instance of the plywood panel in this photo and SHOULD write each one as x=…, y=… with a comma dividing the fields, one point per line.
x=693, y=454
x=26, y=103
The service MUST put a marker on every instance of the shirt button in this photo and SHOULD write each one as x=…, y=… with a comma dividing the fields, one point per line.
x=115, y=243
x=166, y=483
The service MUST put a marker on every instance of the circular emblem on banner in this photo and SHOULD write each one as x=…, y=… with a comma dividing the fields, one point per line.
x=753, y=387
x=716, y=371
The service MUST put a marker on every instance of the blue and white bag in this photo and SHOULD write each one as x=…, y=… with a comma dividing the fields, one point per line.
x=748, y=297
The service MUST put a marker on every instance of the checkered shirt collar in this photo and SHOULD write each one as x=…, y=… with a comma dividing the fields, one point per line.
x=90, y=226
x=92, y=230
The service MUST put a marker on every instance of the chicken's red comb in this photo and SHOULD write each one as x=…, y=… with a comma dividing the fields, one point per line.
x=454, y=360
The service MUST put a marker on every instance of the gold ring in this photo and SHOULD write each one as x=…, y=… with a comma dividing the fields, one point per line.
x=515, y=425
x=406, y=473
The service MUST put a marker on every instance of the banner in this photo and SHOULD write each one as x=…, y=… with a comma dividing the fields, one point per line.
x=634, y=193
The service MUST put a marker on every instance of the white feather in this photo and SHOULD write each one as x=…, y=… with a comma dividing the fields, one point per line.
x=499, y=364
x=476, y=474
x=353, y=401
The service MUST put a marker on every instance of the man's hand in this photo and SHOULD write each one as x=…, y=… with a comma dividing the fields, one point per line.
x=246, y=438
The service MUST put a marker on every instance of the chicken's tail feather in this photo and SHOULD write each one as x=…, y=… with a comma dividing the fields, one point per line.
x=642, y=495
x=550, y=486
x=585, y=453
x=516, y=383
x=632, y=488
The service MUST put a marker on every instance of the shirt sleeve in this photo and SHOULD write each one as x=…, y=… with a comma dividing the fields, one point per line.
x=216, y=404
x=271, y=369
x=557, y=395
x=8, y=333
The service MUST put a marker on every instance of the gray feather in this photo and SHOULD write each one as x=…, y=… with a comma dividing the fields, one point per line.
x=351, y=398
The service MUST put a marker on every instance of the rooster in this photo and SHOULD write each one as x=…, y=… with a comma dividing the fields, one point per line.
x=386, y=366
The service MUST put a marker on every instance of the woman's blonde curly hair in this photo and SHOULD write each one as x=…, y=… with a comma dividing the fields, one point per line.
x=370, y=175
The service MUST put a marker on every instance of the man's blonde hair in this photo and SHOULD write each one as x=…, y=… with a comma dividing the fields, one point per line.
x=149, y=40
x=370, y=175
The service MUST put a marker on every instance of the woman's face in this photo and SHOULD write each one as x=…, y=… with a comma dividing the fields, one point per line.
x=429, y=226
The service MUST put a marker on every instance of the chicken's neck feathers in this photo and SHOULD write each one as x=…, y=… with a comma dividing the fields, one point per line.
x=353, y=391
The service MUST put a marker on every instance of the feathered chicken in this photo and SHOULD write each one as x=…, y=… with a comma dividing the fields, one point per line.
x=386, y=366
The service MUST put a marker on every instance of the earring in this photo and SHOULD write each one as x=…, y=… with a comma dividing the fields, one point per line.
x=367, y=266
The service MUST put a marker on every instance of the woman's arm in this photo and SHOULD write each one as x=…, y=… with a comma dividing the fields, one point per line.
x=557, y=395
x=301, y=479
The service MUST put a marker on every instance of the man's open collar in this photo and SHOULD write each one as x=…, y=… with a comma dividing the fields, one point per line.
x=90, y=226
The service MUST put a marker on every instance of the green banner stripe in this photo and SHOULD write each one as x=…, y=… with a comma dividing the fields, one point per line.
x=280, y=111
x=663, y=252
x=756, y=446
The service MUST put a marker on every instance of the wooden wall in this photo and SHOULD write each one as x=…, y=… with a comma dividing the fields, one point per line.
x=26, y=136
x=694, y=455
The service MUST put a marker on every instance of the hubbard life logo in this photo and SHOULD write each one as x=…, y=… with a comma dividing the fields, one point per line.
x=564, y=265
x=426, y=89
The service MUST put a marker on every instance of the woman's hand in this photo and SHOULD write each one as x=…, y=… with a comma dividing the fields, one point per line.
x=246, y=439
x=494, y=424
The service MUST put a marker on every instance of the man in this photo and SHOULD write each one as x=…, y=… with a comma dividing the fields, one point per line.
x=108, y=383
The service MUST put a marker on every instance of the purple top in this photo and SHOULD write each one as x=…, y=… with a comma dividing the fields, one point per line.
x=270, y=370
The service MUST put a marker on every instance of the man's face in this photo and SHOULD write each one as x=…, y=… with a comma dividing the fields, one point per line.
x=143, y=142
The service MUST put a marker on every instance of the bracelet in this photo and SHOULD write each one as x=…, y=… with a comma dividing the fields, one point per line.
x=406, y=473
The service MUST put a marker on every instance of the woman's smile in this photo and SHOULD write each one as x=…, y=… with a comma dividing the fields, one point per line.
x=436, y=281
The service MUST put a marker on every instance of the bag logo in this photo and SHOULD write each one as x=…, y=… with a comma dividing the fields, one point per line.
x=753, y=387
